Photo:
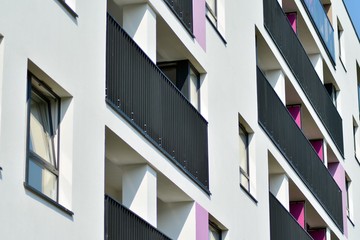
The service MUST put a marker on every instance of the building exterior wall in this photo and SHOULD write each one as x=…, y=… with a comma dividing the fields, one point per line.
x=65, y=46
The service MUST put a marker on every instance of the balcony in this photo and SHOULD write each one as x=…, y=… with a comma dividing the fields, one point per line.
x=138, y=91
x=282, y=225
x=183, y=9
x=279, y=125
x=121, y=223
x=322, y=25
x=280, y=30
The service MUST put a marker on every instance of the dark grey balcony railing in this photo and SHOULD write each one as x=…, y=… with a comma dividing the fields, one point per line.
x=183, y=9
x=322, y=24
x=279, y=28
x=282, y=225
x=121, y=223
x=277, y=122
x=138, y=90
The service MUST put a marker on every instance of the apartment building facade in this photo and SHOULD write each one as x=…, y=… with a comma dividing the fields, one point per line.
x=179, y=119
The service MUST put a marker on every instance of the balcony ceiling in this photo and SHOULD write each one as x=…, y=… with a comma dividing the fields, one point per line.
x=119, y=155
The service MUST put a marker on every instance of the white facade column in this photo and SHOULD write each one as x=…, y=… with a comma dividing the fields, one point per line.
x=139, y=192
x=318, y=65
x=326, y=160
x=328, y=234
x=139, y=21
x=279, y=187
x=277, y=80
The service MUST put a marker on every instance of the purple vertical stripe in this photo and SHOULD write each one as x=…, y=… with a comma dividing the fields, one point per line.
x=318, y=146
x=297, y=210
x=202, y=223
x=338, y=173
x=199, y=21
x=292, y=19
x=295, y=111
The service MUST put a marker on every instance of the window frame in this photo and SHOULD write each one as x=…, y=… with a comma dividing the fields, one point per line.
x=33, y=156
x=213, y=12
x=244, y=173
x=215, y=227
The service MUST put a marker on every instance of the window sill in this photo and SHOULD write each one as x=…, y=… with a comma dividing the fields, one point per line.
x=351, y=221
x=68, y=8
x=47, y=199
x=249, y=194
x=216, y=30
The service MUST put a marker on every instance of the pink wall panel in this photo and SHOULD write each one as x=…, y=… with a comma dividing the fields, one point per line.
x=292, y=19
x=318, y=234
x=199, y=21
x=338, y=173
x=318, y=146
x=297, y=210
x=295, y=111
x=202, y=223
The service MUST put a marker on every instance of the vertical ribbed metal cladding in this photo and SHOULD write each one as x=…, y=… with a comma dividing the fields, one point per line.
x=121, y=223
x=282, y=224
x=183, y=9
x=279, y=28
x=277, y=122
x=138, y=90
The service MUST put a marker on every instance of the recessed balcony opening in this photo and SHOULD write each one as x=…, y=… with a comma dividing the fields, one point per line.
x=300, y=27
x=265, y=58
x=135, y=188
x=296, y=212
x=331, y=86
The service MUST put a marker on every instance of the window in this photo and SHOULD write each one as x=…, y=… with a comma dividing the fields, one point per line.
x=332, y=92
x=186, y=79
x=358, y=83
x=42, y=138
x=341, y=43
x=349, y=202
x=244, y=157
x=214, y=231
x=211, y=11
x=355, y=136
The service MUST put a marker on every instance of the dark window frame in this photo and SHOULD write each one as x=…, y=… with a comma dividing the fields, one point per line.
x=244, y=173
x=32, y=156
x=215, y=227
x=213, y=13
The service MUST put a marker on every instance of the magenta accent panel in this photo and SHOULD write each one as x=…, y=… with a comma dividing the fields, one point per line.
x=292, y=19
x=295, y=112
x=199, y=21
x=318, y=234
x=318, y=146
x=297, y=210
x=338, y=173
x=202, y=223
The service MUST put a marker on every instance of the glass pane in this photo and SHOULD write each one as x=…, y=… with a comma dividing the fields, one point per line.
x=243, y=149
x=40, y=129
x=194, y=89
x=212, y=5
x=213, y=233
x=42, y=180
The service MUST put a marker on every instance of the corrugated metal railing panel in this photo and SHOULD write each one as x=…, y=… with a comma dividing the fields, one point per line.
x=121, y=223
x=183, y=9
x=289, y=45
x=137, y=89
x=277, y=122
x=282, y=225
